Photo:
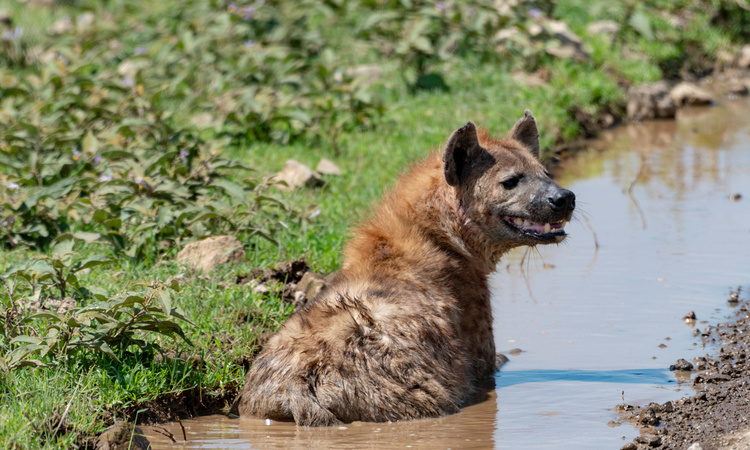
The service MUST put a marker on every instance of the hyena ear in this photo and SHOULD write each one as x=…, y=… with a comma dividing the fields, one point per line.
x=525, y=132
x=457, y=150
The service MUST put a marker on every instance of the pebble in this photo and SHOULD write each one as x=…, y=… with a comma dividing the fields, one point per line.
x=681, y=364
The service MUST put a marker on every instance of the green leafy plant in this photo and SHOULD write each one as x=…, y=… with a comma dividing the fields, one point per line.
x=109, y=324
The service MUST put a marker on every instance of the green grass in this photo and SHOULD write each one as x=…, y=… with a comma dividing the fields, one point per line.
x=96, y=385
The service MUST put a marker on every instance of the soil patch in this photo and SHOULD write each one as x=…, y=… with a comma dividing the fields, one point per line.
x=716, y=416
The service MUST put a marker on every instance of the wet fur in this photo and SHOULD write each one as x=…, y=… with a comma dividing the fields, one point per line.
x=405, y=331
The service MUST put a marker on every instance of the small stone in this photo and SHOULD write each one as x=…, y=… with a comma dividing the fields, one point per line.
x=211, y=252
x=651, y=441
x=629, y=446
x=260, y=289
x=570, y=45
x=5, y=18
x=695, y=446
x=735, y=197
x=607, y=27
x=368, y=72
x=299, y=299
x=85, y=20
x=295, y=174
x=62, y=26
x=736, y=88
x=528, y=79
x=328, y=167
x=689, y=94
x=650, y=101
x=122, y=436
x=690, y=317
x=648, y=416
x=311, y=285
x=681, y=364
x=743, y=57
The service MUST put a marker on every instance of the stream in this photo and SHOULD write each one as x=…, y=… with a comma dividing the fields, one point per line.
x=662, y=229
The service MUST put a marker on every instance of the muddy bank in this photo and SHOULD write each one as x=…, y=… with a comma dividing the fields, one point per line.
x=716, y=417
x=653, y=101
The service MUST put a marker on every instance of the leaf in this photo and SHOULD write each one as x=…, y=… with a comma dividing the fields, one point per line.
x=91, y=262
x=87, y=237
x=103, y=346
x=29, y=363
x=163, y=299
x=22, y=338
x=64, y=247
x=641, y=23
x=233, y=189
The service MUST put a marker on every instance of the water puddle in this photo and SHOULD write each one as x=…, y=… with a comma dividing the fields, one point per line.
x=595, y=326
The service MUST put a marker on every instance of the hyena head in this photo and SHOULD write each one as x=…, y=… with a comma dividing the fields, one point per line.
x=503, y=189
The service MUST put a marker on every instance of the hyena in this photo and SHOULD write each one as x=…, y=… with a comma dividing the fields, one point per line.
x=405, y=330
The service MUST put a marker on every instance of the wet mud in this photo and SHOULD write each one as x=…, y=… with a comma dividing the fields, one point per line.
x=716, y=417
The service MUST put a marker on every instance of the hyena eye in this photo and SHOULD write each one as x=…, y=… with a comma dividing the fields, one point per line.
x=511, y=182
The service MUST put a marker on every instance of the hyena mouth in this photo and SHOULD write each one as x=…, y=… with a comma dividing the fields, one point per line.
x=538, y=229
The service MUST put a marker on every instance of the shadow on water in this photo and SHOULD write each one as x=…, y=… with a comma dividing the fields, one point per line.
x=509, y=378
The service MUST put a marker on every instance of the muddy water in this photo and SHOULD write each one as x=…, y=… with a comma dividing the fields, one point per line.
x=595, y=326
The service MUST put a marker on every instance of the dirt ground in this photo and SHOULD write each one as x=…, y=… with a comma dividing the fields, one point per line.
x=718, y=415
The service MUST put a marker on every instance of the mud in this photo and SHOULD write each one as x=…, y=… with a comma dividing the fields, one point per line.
x=716, y=417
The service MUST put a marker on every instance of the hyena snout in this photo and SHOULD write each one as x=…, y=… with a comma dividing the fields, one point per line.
x=562, y=201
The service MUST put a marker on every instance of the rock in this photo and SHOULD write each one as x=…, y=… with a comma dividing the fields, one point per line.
x=53, y=304
x=62, y=26
x=299, y=299
x=743, y=57
x=327, y=167
x=681, y=364
x=629, y=446
x=689, y=317
x=569, y=44
x=295, y=174
x=736, y=88
x=5, y=18
x=207, y=254
x=528, y=79
x=651, y=441
x=85, y=20
x=367, y=72
x=202, y=120
x=607, y=27
x=695, y=446
x=122, y=436
x=506, y=34
x=689, y=94
x=311, y=284
x=648, y=416
x=650, y=101
x=260, y=288
x=505, y=7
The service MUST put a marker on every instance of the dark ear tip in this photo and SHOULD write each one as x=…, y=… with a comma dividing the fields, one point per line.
x=528, y=115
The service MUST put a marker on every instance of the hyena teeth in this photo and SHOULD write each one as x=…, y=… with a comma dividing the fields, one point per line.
x=547, y=227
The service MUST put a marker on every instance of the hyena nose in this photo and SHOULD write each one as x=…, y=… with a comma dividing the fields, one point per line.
x=562, y=200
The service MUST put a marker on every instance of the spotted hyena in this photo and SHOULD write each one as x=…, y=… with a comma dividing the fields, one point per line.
x=405, y=331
